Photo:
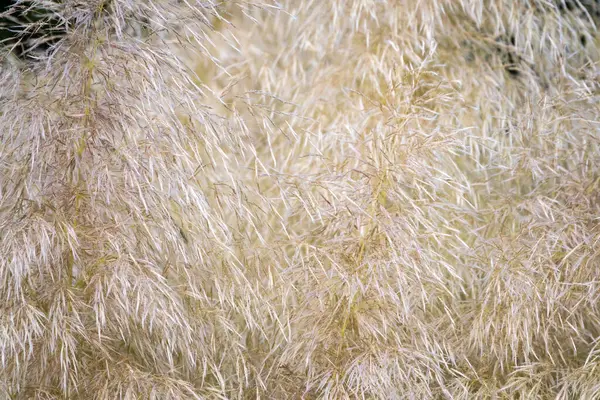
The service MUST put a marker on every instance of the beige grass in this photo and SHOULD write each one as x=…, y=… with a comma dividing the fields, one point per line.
x=303, y=199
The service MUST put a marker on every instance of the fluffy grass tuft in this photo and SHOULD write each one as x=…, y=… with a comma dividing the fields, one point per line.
x=302, y=199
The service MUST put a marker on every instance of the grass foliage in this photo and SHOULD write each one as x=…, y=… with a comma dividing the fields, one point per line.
x=333, y=199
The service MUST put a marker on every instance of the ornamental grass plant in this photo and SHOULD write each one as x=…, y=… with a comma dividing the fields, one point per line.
x=300, y=199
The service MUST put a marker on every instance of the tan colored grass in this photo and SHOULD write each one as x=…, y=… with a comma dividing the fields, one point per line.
x=303, y=199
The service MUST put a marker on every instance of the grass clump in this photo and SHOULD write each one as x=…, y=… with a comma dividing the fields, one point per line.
x=300, y=199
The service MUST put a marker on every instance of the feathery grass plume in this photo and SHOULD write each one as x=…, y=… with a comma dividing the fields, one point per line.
x=300, y=199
